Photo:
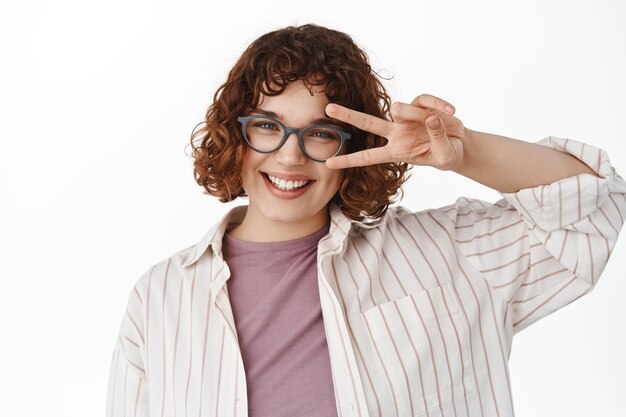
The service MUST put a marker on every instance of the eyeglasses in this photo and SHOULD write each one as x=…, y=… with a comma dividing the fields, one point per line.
x=266, y=135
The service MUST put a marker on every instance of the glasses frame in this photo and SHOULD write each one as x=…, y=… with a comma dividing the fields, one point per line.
x=288, y=131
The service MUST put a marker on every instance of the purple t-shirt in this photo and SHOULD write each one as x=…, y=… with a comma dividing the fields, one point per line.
x=275, y=300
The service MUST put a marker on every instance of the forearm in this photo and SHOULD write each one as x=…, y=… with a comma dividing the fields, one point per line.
x=508, y=165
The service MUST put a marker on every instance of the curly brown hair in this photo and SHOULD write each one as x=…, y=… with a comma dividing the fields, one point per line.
x=318, y=56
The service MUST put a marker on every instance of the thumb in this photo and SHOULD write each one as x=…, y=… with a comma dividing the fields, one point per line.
x=435, y=128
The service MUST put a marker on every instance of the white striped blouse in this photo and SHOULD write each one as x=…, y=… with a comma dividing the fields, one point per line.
x=419, y=308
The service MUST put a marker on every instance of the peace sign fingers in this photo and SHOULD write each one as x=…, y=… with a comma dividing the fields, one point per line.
x=409, y=140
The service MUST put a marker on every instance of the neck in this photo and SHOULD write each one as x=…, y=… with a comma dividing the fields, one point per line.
x=256, y=227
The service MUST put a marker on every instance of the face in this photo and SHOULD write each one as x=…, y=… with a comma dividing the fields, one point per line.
x=293, y=213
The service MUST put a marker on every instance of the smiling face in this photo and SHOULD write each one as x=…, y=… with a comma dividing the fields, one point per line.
x=273, y=214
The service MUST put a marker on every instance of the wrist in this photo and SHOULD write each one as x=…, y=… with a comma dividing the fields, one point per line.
x=466, y=140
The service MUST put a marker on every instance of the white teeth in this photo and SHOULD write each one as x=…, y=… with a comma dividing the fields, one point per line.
x=287, y=185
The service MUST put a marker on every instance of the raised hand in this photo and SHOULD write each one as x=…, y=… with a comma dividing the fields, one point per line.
x=410, y=136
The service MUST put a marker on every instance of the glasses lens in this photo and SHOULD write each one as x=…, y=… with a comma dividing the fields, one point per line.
x=264, y=134
x=321, y=142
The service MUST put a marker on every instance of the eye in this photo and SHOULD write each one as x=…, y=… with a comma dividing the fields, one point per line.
x=324, y=133
x=266, y=125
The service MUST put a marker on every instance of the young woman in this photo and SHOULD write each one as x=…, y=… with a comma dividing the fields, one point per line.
x=317, y=298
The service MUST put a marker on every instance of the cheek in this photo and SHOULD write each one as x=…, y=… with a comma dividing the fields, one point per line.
x=248, y=167
x=335, y=178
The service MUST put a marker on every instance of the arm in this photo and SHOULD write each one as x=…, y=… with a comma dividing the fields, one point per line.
x=544, y=246
x=509, y=165
x=502, y=163
x=127, y=393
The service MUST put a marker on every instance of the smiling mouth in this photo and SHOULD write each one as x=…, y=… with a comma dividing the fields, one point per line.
x=284, y=185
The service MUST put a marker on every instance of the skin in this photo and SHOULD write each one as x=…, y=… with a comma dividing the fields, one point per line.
x=272, y=219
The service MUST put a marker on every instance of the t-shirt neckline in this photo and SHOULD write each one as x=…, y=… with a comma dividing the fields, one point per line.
x=305, y=241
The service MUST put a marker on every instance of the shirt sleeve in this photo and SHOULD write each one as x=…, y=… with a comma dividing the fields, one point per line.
x=127, y=394
x=543, y=247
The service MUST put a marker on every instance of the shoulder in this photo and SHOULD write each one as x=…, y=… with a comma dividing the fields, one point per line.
x=401, y=220
x=434, y=223
x=167, y=268
x=463, y=206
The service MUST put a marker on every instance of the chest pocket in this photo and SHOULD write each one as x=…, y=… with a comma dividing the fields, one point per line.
x=422, y=342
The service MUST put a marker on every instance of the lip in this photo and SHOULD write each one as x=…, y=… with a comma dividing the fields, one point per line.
x=285, y=195
x=288, y=177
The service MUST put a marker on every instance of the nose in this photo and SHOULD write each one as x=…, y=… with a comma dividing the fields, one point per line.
x=290, y=153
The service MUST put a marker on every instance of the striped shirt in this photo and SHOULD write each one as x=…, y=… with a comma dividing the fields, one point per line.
x=419, y=308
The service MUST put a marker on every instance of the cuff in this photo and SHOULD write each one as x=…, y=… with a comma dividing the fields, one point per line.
x=566, y=201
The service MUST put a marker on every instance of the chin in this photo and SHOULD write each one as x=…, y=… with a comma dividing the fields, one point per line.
x=281, y=215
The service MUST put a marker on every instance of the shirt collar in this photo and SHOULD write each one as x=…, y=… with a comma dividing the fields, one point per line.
x=340, y=226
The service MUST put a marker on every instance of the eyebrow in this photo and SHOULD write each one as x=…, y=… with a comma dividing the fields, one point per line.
x=315, y=121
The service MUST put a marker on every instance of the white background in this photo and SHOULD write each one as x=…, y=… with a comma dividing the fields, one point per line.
x=97, y=101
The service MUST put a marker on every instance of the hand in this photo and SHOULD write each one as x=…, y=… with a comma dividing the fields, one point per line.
x=410, y=137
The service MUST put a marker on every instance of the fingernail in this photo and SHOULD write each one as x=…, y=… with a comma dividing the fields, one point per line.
x=434, y=122
x=449, y=109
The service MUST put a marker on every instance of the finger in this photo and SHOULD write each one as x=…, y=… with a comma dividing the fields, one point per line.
x=363, y=121
x=426, y=100
x=437, y=133
x=436, y=130
x=407, y=112
x=366, y=157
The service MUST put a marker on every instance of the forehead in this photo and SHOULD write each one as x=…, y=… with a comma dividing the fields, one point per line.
x=297, y=103
x=294, y=91
x=314, y=119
